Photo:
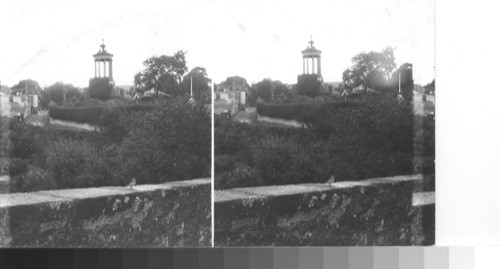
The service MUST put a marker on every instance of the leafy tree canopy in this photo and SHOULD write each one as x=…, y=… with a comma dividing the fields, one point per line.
x=58, y=92
x=369, y=68
x=162, y=74
x=27, y=86
x=308, y=85
x=201, y=84
x=100, y=88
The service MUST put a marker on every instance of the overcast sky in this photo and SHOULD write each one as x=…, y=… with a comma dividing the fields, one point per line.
x=54, y=40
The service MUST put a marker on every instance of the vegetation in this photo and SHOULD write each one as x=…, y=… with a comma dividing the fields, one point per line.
x=90, y=114
x=369, y=68
x=100, y=88
x=345, y=141
x=309, y=85
x=163, y=74
x=152, y=144
x=27, y=86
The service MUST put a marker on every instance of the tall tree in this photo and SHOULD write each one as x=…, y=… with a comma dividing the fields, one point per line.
x=162, y=73
x=369, y=67
x=201, y=84
x=58, y=92
x=27, y=86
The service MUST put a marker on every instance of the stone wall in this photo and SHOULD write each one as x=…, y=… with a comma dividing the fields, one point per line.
x=371, y=212
x=162, y=215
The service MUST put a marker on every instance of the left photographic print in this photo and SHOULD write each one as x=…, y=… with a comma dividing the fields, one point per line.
x=105, y=124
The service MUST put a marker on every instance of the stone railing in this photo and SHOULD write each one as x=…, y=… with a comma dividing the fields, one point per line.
x=169, y=214
x=371, y=212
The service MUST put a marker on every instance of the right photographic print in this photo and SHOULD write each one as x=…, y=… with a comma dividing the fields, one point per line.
x=324, y=124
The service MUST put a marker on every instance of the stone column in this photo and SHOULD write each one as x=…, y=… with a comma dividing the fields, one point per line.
x=312, y=59
x=99, y=67
x=319, y=65
x=303, y=65
x=111, y=69
x=105, y=62
x=95, y=69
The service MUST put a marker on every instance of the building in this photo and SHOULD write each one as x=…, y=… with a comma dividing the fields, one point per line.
x=234, y=90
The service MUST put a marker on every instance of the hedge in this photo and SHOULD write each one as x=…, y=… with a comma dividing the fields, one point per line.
x=299, y=111
x=91, y=114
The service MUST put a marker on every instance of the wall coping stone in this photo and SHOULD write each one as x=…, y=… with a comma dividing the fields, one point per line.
x=69, y=195
x=284, y=190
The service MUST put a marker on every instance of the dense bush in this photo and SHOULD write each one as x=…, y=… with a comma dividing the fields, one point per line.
x=166, y=144
x=309, y=85
x=286, y=161
x=346, y=141
x=13, y=166
x=100, y=88
x=78, y=164
x=240, y=176
x=91, y=114
x=34, y=180
x=298, y=111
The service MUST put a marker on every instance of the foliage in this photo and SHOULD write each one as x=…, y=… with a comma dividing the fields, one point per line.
x=77, y=164
x=27, y=86
x=13, y=166
x=346, y=141
x=264, y=89
x=162, y=73
x=308, y=85
x=167, y=144
x=90, y=114
x=297, y=111
x=430, y=87
x=281, y=160
x=59, y=93
x=369, y=67
x=100, y=88
x=201, y=84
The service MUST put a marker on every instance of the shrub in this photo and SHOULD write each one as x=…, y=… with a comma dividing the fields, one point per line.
x=305, y=112
x=308, y=85
x=36, y=180
x=100, y=88
x=239, y=177
x=13, y=166
x=167, y=144
x=285, y=161
x=77, y=164
x=224, y=163
x=91, y=114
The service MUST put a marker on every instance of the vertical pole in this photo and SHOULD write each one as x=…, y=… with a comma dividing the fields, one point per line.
x=99, y=67
x=95, y=69
x=191, y=86
x=104, y=62
x=307, y=59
